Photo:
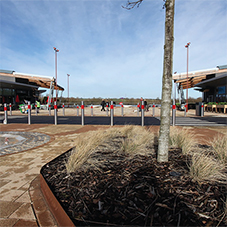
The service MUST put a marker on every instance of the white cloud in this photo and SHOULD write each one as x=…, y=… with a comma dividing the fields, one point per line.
x=107, y=50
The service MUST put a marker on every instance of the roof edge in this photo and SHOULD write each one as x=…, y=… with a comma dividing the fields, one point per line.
x=32, y=75
x=222, y=67
x=6, y=71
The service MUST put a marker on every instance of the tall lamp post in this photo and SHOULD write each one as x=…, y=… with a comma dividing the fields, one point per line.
x=56, y=50
x=187, y=46
x=68, y=88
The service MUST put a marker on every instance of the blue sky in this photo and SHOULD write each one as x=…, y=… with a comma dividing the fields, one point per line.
x=107, y=50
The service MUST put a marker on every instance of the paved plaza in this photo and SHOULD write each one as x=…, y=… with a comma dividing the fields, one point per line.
x=26, y=148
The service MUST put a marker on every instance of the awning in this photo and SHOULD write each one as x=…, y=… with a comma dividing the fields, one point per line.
x=33, y=80
x=11, y=84
x=191, y=81
x=201, y=78
x=213, y=82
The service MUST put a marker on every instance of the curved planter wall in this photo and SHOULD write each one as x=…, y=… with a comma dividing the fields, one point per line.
x=56, y=209
x=59, y=214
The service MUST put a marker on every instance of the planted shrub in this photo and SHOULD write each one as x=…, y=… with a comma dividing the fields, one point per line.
x=183, y=139
x=219, y=145
x=204, y=167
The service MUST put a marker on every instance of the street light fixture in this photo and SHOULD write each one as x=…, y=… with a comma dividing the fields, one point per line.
x=56, y=50
x=187, y=46
x=68, y=88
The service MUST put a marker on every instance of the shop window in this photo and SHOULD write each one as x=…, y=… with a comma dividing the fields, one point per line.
x=8, y=92
x=22, y=92
x=221, y=94
x=221, y=90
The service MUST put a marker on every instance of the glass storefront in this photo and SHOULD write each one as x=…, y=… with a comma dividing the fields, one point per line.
x=221, y=94
x=7, y=95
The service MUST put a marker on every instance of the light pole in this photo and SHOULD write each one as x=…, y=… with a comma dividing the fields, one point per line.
x=187, y=46
x=68, y=88
x=56, y=50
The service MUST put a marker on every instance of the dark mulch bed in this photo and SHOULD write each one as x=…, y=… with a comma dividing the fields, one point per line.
x=136, y=191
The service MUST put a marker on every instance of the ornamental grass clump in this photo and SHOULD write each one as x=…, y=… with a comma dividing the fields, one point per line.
x=137, y=140
x=219, y=145
x=85, y=145
x=183, y=139
x=204, y=167
x=127, y=140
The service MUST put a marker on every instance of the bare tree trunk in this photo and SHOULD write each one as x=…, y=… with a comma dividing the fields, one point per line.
x=163, y=141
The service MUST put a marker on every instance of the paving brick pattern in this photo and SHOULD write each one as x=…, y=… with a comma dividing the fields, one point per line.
x=28, y=140
x=18, y=170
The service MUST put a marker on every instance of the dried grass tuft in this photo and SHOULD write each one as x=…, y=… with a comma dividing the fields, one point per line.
x=132, y=140
x=86, y=144
x=137, y=140
x=205, y=167
x=219, y=145
x=183, y=139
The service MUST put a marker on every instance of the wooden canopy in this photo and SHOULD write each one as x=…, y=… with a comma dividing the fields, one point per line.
x=193, y=78
x=35, y=80
x=192, y=81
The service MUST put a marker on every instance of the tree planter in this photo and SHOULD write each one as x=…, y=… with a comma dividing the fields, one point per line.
x=219, y=108
x=210, y=108
x=146, y=174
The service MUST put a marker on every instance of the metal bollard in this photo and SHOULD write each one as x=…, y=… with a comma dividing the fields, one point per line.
x=153, y=106
x=82, y=112
x=142, y=114
x=185, y=110
x=122, y=110
x=111, y=113
x=55, y=113
x=10, y=109
x=202, y=110
x=63, y=108
x=29, y=112
x=5, y=113
x=49, y=109
x=138, y=109
x=77, y=110
x=174, y=115
x=107, y=110
x=91, y=110
x=36, y=110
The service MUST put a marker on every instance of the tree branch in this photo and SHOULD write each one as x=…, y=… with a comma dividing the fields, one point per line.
x=131, y=5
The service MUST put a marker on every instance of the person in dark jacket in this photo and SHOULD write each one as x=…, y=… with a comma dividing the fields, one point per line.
x=103, y=103
x=146, y=107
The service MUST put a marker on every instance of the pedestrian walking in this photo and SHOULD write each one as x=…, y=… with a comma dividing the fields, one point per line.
x=103, y=103
x=146, y=106
x=38, y=106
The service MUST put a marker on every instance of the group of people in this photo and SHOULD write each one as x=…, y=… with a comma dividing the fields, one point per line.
x=106, y=104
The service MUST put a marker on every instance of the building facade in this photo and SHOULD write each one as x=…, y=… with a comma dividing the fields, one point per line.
x=211, y=82
x=17, y=87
